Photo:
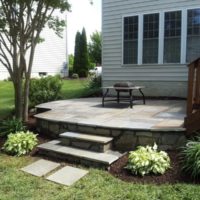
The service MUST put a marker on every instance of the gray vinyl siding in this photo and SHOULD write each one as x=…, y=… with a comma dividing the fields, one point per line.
x=49, y=56
x=113, y=69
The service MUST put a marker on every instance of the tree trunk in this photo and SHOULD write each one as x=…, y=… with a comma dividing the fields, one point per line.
x=26, y=99
x=18, y=88
x=27, y=84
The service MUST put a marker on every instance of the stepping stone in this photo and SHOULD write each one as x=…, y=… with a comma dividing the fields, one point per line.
x=67, y=175
x=40, y=167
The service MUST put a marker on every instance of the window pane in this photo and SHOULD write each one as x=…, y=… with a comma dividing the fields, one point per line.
x=150, y=38
x=130, y=40
x=193, y=35
x=172, y=40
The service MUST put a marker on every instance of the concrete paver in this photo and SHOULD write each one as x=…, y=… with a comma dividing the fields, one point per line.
x=40, y=167
x=67, y=175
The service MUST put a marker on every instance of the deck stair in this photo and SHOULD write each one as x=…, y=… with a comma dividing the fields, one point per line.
x=81, y=148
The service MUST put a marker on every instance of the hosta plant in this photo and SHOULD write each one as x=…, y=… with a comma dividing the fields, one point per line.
x=146, y=160
x=191, y=158
x=20, y=143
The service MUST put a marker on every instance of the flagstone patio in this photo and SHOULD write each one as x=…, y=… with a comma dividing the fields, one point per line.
x=158, y=121
x=155, y=114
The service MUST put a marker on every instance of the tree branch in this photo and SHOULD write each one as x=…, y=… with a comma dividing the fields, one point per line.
x=2, y=40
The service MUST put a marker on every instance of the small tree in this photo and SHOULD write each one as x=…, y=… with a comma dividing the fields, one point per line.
x=21, y=24
x=95, y=48
x=77, y=53
x=71, y=60
x=84, y=61
x=81, y=60
x=71, y=63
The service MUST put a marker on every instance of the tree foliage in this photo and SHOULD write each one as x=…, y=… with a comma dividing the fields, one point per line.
x=95, y=48
x=77, y=53
x=81, y=61
x=21, y=23
x=71, y=63
x=84, y=55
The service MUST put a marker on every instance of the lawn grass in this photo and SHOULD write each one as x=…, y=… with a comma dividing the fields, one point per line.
x=74, y=88
x=71, y=89
x=6, y=99
x=97, y=185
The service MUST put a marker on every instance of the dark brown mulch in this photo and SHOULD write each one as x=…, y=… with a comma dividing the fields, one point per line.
x=2, y=141
x=172, y=176
x=41, y=139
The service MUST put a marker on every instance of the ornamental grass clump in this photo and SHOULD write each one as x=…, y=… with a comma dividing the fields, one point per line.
x=191, y=158
x=146, y=160
x=20, y=143
x=11, y=126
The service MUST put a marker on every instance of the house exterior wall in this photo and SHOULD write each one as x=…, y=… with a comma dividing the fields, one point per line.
x=159, y=79
x=49, y=56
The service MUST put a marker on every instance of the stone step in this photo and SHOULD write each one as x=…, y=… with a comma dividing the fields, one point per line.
x=85, y=141
x=56, y=149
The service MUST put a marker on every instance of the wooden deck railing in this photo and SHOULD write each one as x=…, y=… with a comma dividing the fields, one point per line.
x=192, y=120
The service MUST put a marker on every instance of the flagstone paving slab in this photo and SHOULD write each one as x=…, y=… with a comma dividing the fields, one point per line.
x=40, y=167
x=67, y=175
x=89, y=111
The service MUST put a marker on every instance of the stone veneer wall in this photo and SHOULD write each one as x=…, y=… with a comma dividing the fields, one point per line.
x=124, y=139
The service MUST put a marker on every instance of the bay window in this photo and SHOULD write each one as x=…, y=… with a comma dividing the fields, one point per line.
x=165, y=37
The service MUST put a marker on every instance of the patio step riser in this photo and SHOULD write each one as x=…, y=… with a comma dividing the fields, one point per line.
x=72, y=159
x=56, y=150
x=91, y=146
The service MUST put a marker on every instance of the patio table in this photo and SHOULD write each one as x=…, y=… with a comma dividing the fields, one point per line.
x=122, y=89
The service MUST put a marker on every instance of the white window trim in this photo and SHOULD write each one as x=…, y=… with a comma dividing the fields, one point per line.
x=184, y=36
x=161, y=38
x=122, y=61
x=140, y=39
x=183, y=52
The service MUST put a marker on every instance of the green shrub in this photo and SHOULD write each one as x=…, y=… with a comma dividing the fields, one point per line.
x=94, y=82
x=70, y=71
x=146, y=160
x=191, y=158
x=11, y=126
x=20, y=143
x=45, y=89
x=75, y=76
x=83, y=73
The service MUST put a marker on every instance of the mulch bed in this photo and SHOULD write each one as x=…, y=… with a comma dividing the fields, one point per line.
x=172, y=176
x=2, y=141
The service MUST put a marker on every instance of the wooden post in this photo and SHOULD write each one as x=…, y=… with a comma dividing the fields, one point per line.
x=193, y=101
x=197, y=95
x=190, y=89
